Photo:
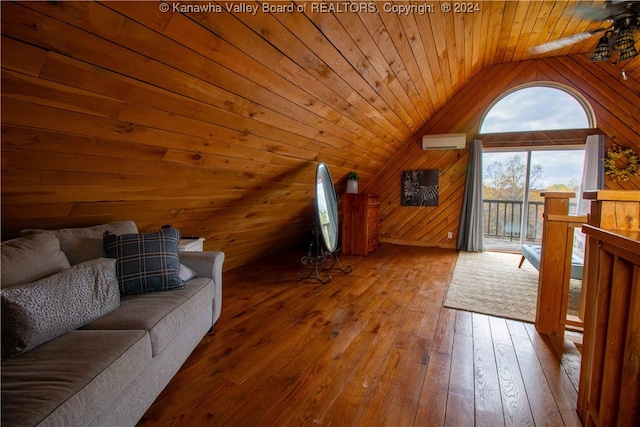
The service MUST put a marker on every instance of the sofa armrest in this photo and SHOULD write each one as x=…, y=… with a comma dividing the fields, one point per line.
x=208, y=264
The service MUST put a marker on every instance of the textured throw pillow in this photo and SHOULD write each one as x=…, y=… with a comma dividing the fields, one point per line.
x=37, y=312
x=145, y=262
x=83, y=244
x=30, y=258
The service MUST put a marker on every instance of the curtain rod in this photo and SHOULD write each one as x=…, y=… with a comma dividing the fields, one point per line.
x=534, y=140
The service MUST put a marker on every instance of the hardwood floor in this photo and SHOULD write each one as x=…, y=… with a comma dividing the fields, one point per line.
x=372, y=348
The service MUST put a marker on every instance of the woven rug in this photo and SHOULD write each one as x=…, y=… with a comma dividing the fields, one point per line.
x=491, y=283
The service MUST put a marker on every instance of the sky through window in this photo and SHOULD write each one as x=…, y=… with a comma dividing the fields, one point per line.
x=535, y=108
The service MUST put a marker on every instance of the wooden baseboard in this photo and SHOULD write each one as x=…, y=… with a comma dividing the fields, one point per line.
x=451, y=245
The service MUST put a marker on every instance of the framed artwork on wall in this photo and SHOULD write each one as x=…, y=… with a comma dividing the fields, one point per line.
x=419, y=188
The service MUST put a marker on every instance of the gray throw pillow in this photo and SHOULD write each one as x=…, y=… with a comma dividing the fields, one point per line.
x=37, y=312
x=83, y=244
x=145, y=262
x=30, y=258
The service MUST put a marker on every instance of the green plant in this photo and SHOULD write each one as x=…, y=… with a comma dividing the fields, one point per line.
x=353, y=175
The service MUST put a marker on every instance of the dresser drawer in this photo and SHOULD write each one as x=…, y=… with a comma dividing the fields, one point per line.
x=372, y=243
x=361, y=224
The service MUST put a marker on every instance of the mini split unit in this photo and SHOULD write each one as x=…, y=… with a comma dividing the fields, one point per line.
x=449, y=141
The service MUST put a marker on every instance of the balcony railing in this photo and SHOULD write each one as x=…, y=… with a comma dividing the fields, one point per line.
x=502, y=220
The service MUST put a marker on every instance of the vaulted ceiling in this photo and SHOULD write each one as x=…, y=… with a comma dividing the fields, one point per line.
x=212, y=117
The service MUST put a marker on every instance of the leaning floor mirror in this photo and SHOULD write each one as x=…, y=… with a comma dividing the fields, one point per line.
x=323, y=249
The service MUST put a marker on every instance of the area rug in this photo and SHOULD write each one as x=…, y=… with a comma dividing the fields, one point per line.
x=491, y=283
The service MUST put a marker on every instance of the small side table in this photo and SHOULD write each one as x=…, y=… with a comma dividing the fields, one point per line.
x=191, y=245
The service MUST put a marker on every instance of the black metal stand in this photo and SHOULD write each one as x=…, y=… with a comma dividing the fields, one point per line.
x=322, y=260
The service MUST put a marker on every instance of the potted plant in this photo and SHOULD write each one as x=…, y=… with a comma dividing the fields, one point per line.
x=352, y=182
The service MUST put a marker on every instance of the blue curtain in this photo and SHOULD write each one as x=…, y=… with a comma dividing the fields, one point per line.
x=470, y=232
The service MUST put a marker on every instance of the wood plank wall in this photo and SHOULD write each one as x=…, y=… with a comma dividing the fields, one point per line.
x=616, y=105
x=117, y=110
x=215, y=122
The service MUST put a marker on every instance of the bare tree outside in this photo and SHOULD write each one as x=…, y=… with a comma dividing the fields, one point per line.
x=503, y=193
x=506, y=180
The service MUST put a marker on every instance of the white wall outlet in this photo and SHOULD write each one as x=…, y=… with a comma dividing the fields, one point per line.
x=450, y=235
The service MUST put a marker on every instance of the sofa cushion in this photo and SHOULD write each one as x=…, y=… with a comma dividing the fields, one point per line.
x=533, y=253
x=30, y=258
x=145, y=262
x=72, y=378
x=163, y=314
x=83, y=244
x=37, y=312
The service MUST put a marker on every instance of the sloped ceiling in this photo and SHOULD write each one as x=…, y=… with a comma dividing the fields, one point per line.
x=214, y=121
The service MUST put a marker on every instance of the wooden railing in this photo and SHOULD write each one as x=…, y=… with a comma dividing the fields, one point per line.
x=610, y=379
x=555, y=264
x=609, y=391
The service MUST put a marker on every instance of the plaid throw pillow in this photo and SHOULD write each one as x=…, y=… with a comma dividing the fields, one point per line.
x=145, y=262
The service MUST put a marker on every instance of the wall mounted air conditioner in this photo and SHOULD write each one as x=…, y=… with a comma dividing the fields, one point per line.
x=449, y=141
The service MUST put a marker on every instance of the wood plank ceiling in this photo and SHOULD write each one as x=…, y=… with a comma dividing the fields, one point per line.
x=213, y=121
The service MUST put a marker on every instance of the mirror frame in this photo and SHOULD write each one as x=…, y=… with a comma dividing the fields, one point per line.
x=328, y=226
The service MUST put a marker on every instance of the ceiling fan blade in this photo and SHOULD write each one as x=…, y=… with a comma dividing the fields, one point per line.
x=565, y=41
x=607, y=10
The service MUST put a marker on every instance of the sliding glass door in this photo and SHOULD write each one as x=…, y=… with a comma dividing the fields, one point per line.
x=512, y=185
x=503, y=185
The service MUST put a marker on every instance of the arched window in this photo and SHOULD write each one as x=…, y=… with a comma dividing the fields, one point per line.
x=514, y=177
x=539, y=107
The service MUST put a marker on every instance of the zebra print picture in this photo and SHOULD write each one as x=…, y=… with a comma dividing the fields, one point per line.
x=419, y=188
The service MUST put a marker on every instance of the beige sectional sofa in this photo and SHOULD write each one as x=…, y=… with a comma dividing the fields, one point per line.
x=78, y=353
